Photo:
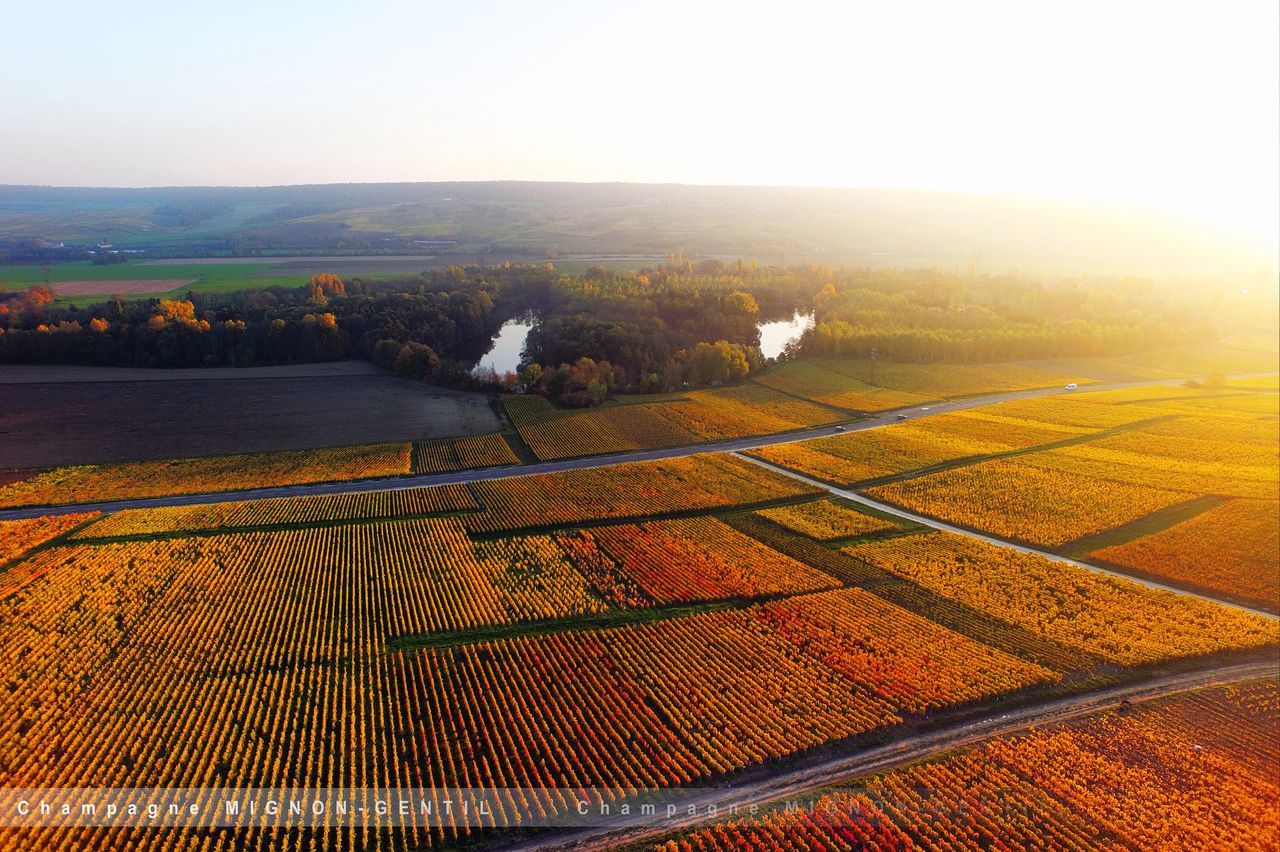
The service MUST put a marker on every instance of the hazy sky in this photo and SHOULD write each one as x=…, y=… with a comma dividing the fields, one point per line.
x=1164, y=103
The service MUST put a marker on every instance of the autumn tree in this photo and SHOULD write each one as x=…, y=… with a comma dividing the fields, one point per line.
x=713, y=363
x=583, y=383
x=40, y=295
x=417, y=360
x=172, y=309
x=324, y=285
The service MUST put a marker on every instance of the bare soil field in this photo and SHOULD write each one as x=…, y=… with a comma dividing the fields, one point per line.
x=51, y=415
x=121, y=287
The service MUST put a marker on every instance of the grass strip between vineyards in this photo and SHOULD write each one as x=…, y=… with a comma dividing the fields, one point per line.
x=574, y=624
x=1151, y=524
x=954, y=615
x=968, y=461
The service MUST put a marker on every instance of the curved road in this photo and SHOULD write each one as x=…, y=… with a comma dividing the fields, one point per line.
x=884, y=418
x=846, y=767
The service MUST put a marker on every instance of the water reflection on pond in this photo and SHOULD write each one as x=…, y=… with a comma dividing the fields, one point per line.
x=508, y=344
x=774, y=336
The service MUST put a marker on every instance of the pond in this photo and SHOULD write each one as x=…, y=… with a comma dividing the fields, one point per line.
x=774, y=336
x=508, y=345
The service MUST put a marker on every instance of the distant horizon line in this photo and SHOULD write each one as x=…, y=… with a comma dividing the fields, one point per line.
x=832, y=188
x=1149, y=210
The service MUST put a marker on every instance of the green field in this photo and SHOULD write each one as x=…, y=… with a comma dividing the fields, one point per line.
x=209, y=278
x=224, y=277
x=14, y=276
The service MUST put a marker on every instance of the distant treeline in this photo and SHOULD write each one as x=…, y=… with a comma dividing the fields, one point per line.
x=36, y=250
x=677, y=325
x=927, y=315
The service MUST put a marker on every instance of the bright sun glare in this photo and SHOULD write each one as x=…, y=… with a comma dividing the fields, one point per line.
x=1158, y=104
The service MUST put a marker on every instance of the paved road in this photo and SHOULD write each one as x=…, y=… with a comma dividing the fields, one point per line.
x=732, y=445
x=846, y=767
x=934, y=523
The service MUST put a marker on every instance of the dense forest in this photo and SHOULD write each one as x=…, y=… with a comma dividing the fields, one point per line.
x=424, y=327
x=678, y=324
x=933, y=316
x=683, y=324
x=663, y=328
